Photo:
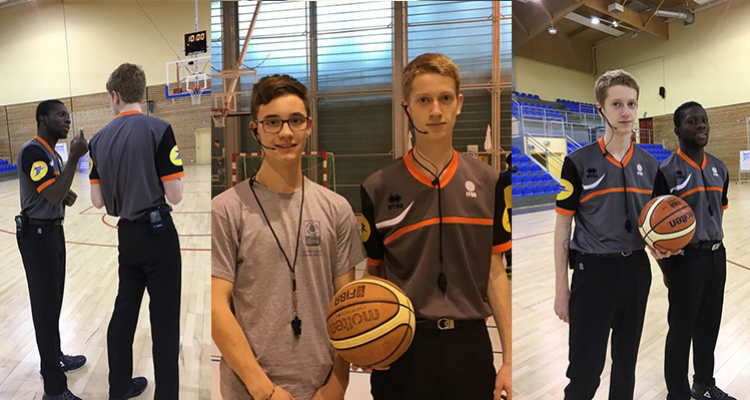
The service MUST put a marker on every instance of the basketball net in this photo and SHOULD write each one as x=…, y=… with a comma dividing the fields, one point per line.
x=195, y=94
x=219, y=115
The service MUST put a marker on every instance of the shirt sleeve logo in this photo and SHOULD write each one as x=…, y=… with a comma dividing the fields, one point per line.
x=91, y=163
x=506, y=221
x=38, y=171
x=175, y=157
x=566, y=191
x=364, y=228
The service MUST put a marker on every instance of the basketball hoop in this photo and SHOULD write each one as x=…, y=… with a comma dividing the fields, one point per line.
x=195, y=94
x=219, y=115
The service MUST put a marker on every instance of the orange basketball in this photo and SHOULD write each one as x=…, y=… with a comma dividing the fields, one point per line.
x=667, y=223
x=370, y=322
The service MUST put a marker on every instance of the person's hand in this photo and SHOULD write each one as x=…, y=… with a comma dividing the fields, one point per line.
x=658, y=255
x=326, y=392
x=78, y=146
x=562, y=305
x=503, y=383
x=369, y=370
x=70, y=198
x=281, y=394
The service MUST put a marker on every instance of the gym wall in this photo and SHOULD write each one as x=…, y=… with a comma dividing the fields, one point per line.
x=100, y=36
x=534, y=77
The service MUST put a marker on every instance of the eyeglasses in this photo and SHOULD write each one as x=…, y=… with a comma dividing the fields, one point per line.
x=296, y=124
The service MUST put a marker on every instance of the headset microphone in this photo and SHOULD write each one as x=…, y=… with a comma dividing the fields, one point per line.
x=606, y=119
x=411, y=123
x=257, y=137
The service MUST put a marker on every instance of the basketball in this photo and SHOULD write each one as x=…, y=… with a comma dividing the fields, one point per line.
x=370, y=322
x=667, y=223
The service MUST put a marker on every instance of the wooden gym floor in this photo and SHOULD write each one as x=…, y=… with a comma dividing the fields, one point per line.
x=90, y=290
x=540, y=339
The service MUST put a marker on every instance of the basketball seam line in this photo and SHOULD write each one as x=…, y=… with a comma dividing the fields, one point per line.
x=665, y=218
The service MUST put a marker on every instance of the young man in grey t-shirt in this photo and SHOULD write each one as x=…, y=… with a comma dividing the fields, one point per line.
x=281, y=247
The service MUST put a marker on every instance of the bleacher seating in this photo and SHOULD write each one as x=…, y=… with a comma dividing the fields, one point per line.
x=578, y=107
x=538, y=111
x=6, y=166
x=530, y=179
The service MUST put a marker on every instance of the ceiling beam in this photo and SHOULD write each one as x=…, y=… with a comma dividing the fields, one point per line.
x=657, y=27
x=520, y=25
x=577, y=32
x=650, y=17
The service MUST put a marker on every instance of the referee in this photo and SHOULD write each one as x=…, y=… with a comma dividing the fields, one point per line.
x=45, y=189
x=135, y=163
x=696, y=278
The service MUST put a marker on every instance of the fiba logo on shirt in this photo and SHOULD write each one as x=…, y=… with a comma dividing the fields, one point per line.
x=312, y=233
x=640, y=170
x=38, y=171
x=470, y=189
x=716, y=173
x=174, y=156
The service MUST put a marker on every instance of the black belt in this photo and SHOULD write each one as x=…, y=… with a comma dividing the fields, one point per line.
x=612, y=255
x=46, y=222
x=445, y=324
x=713, y=246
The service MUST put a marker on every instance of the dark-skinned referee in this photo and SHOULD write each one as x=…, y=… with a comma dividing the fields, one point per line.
x=45, y=191
x=135, y=164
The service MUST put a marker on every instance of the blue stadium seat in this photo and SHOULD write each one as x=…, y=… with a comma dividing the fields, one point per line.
x=525, y=159
x=539, y=189
x=525, y=168
x=527, y=179
x=536, y=168
x=516, y=179
x=536, y=178
x=528, y=190
x=549, y=188
x=517, y=191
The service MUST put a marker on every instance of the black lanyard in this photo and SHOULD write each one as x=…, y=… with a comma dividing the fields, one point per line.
x=705, y=188
x=628, y=224
x=296, y=322
x=442, y=279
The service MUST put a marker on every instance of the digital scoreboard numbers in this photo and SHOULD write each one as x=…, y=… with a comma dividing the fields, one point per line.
x=195, y=43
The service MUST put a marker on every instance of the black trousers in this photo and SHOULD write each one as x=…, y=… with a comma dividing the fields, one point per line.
x=451, y=364
x=43, y=253
x=696, y=298
x=147, y=262
x=607, y=294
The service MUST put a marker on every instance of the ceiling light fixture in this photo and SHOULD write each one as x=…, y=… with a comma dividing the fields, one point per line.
x=595, y=20
x=615, y=24
x=552, y=30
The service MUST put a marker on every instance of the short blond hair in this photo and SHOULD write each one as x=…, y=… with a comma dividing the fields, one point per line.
x=613, y=78
x=435, y=63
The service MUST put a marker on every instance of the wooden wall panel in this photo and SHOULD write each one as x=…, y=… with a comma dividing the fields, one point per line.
x=5, y=149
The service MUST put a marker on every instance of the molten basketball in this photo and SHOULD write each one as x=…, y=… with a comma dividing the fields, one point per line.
x=667, y=223
x=371, y=322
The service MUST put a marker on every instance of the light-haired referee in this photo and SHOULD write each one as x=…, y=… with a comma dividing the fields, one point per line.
x=135, y=162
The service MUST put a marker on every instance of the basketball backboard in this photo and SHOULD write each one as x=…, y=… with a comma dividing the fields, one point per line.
x=193, y=73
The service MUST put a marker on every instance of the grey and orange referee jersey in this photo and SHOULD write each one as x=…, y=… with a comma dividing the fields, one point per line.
x=701, y=186
x=604, y=194
x=40, y=167
x=130, y=158
x=400, y=229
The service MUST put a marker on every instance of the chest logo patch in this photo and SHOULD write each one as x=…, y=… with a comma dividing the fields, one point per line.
x=312, y=233
x=640, y=170
x=364, y=228
x=470, y=189
x=682, y=185
x=394, y=202
x=567, y=189
x=174, y=156
x=38, y=171
x=592, y=185
x=592, y=173
x=716, y=173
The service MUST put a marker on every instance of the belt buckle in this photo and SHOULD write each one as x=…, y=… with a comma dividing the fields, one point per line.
x=62, y=221
x=626, y=253
x=716, y=246
x=445, y=324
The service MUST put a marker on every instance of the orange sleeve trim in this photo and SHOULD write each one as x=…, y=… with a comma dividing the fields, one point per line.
x=373, y=262
x=57, y=173
x=563, y=211
x=501, y=248
x=44, y=185
x=435, y=221
x=725, y=207
x=94, y=181
x=173, y=176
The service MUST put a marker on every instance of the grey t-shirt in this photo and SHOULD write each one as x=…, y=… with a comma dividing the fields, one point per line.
x=244, y=251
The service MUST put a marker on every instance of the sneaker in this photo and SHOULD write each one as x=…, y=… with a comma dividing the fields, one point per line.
x=66, y=395
x=708, y=392
x=72, y=363
x=137, y=386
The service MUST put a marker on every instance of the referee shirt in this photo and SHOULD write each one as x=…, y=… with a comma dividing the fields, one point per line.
x=701, y=186
x=400, y=228
x=40, y=167
x=130, y=158
x=603, y=194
